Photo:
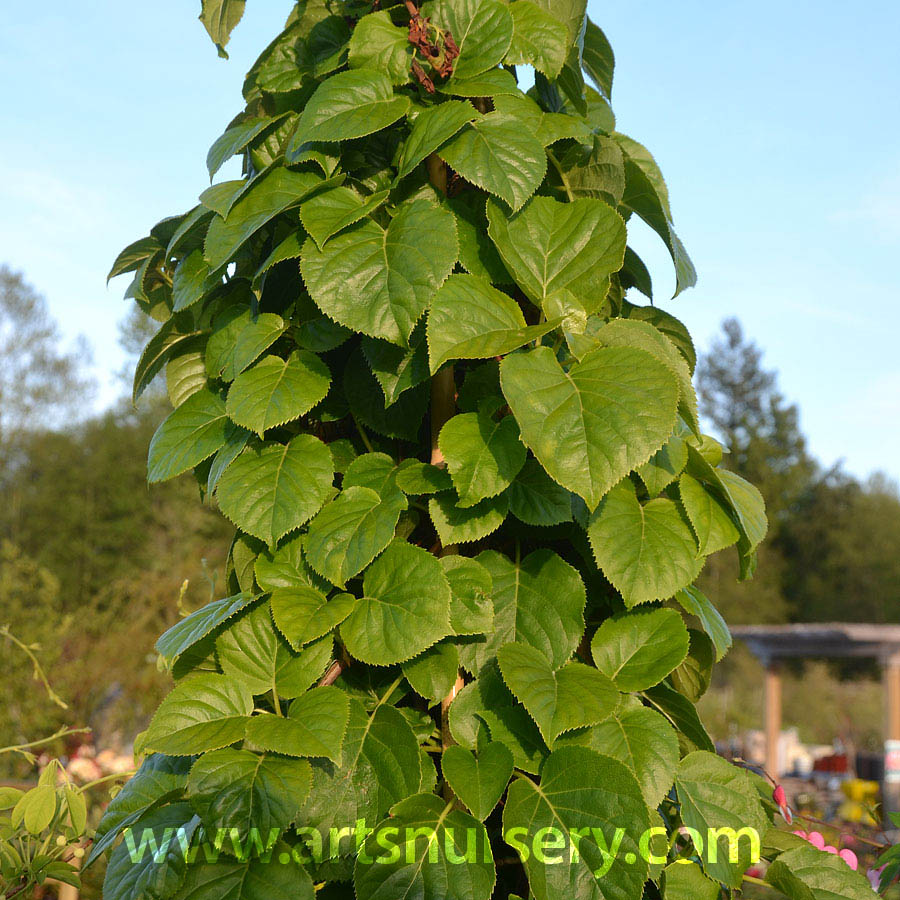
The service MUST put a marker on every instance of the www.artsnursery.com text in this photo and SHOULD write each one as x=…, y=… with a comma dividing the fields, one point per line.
x=389, y=845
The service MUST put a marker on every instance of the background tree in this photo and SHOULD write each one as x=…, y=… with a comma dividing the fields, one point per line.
x=40, y=385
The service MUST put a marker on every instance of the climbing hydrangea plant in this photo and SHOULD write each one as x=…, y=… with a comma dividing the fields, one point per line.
x=408, y=359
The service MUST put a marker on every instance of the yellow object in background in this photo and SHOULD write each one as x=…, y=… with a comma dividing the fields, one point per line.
x=861, y=797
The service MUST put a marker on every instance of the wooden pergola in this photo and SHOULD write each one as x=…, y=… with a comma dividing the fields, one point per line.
x=772, y=644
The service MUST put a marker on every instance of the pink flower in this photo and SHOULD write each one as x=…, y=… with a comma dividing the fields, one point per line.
x=818, y=841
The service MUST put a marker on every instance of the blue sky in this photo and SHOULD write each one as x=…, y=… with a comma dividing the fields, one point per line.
x=776, y=125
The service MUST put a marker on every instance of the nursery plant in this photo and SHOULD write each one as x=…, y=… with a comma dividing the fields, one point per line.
x=414, y=361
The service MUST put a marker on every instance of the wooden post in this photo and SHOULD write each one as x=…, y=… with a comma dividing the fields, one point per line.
x=891, y=786
x=773, y=717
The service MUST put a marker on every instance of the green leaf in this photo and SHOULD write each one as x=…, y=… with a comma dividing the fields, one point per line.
x=204, y=712
x=158, y=779
x=161, y=348
x=539, y=39
x=287, y=567
x=185, y=373
x=697, y=604
x=191, y=630
x=471, y=610
x=487, y=709
x=536, y=499
x=646, y=195
x=479, y=781
x=683, y=715
x=743, y=498
x=401, y=419
x=405, y=607
x=396, y=862
x=376, y=43
x=219, y=18
x=558, y=700
x=433, y=673
x=351, y=105
x=598, y=58
x=684, y=880
x=521, y=611
x=496, y=154
x=270, y=195
x=276, y=391
x=130, y=259
x=592, y=168
x=380, y=765
x=236, y=139
x=550, y=245
x=549, y=127
x=302, y=614
x=237, y=440
x=192, y=279
x=35, y=809
x=638, y=649
x=220, y=197
x=331, y=211
x=397, y=368
x=647, y=551
x=375, y=471
x=643, y=336
x=273, y=489
x=190, y=434
x=482, y=454
x=671, y=327
x=810, y=873
x=154, y=874
x=456, y=524
x=592, y=800
x=482, y=29
x=476, y=255
x=315, y=726
x=692, y=678
x=393, y=271
x=642, y=739
x=716, y=794
x=592, y=425
x=711, y=521
x=289, y=248
x=493, y=83
x=664, y=466
x=251, y=651
x=237, y=789
x=238, y=339
x=471, y=319
x=248, y=879
x=350, y=531
x=431, y=129
x=415, y=477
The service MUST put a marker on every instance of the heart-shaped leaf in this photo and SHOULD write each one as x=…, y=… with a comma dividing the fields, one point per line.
x=273, y=489
x=646, y=550
x=558, y=700
x=378, y=280
x=638, y=649
x=590, y=426
x=479, y=781
x=276, y=391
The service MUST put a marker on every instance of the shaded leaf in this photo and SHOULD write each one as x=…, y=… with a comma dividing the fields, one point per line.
x=647, y=551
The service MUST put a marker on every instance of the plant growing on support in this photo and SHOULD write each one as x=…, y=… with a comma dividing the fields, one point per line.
x=409, y=361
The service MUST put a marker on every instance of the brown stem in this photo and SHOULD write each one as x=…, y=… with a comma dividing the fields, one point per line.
x=443, y=406
x=333, y=673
